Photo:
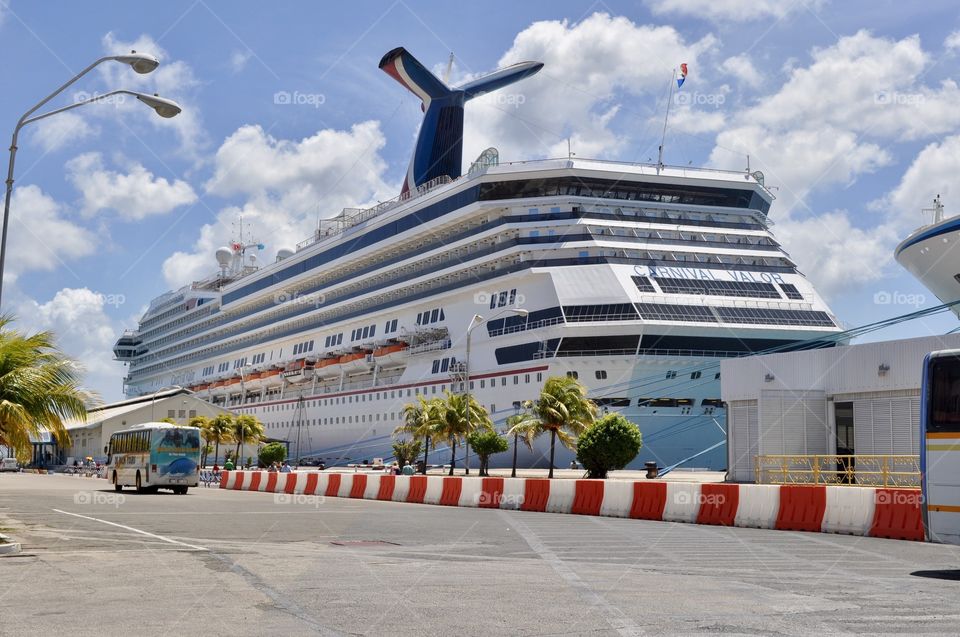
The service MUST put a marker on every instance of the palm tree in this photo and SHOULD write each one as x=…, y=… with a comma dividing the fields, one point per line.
x=202, y=423
x=419, y=419
x=246, y=430
x=39, y=388
x=564, y=410
x=459, y=419
x=220, y=431
x=523, y=426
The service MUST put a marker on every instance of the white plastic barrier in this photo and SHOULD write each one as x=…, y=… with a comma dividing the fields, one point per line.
x=617, y=498
x=434, y=490
x=299, y=481
x=373, y=487
x=322, y=483
x=401, y=488
x=514, y=490
x=243, y=480
x=758, y=506
x=561, y=496
x=231, y=480
x=470, y=492
x=263, y=482
x=849, y=510
x=683, y=502
x=346, y=484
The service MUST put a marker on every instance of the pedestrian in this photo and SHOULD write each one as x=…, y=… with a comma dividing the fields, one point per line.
x=228, y=465
x=407, y=470
x=285, y=468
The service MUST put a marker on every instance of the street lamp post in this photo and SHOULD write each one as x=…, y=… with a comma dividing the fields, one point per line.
x=476, y=322
x=139, y=62
x=516, y=439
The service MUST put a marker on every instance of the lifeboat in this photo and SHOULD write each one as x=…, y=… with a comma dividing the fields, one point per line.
x=271, y=376
x=297, y=371
x=355, y=361
x=327, y=367
x=393, y=353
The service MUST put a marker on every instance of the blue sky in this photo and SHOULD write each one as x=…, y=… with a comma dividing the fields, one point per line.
x=848, y=107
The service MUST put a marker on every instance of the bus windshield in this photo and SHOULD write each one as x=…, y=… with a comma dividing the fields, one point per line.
x=945, y=395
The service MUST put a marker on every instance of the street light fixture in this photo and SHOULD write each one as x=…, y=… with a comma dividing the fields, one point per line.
x=476, y=322
x=140, y=62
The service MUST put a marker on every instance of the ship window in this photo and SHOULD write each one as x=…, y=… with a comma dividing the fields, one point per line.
x=533, y=211
x=665, y=312
x=710, y=287
x=753, y=315
x=791, y=291
x=601, y=374
x=643, y=284
x=534, y=233
x=573, y=375
x=445, y=365
x=555, y=209
x=493, y=301
x=712, y=402
x=373, y=330
x=434, y=316
x=694, y=375
x=502, y=300
x=539, y=377
x=436, y=366
x=671, y=374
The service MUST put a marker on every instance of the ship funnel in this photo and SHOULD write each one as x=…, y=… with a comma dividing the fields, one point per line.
x=439, y=148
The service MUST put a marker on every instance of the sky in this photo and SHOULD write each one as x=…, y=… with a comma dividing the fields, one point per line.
x=848, y=108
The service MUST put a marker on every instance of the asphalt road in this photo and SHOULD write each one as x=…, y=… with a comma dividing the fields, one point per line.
x=237, y=563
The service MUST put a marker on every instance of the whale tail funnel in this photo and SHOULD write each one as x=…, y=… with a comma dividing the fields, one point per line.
x=439, y=148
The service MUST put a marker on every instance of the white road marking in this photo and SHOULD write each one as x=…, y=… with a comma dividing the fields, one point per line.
x=130, y=528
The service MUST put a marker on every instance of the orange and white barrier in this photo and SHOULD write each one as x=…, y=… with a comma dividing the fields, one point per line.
x=889, y=513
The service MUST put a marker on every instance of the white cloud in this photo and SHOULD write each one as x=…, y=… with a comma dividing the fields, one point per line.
x=173, y=79
x=84, y=331
x=733, y=10
x=806, y=136
x=952, y=41
x=835, y=254
x=40, y=237
x=592, y=69
x=933, y=172
x=239, y=59
x=55, y=133
x=133, y=195
x=741, y=67
x=285, y=185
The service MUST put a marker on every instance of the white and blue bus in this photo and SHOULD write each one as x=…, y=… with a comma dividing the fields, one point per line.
x=154, y=455
x=940, y=446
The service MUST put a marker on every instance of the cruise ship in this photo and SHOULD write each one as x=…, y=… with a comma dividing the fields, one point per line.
x=636, y=279
x=926, y=254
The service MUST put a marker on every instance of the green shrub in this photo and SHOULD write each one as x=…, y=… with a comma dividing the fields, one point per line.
x=486, y=443
x=609, y=444
x=270, y=453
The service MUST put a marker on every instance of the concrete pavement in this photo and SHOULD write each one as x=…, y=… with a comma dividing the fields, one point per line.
x=228, y=562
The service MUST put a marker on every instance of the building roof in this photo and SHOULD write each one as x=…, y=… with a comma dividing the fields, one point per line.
x=98, y=415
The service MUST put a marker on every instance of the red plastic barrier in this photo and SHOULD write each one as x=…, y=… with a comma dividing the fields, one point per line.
x=649, y=500
x=271, y=482
x=587, y=497
x=450, y=496
x=801, y=508
x=359, y=485
x=718, y=504
x=333, y=485
x=224, y=476
x=291, y=483
x=387, y=483
x=536, y=492
x=313, y=480
x=418, y=488
x=254, y=481
x=897, y=515
x=490, y=493
x=239, y=481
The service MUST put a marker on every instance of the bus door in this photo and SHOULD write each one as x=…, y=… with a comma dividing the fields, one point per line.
x=940, y=446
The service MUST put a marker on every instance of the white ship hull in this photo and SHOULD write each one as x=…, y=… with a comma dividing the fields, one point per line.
x=932, y=255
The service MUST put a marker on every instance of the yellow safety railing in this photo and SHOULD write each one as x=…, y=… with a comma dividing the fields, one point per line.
x=855, y=470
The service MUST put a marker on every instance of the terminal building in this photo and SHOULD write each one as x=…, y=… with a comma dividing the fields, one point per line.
x=846, y=400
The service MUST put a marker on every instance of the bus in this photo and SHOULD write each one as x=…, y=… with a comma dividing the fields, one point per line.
x=940, y=446
x=154, y=455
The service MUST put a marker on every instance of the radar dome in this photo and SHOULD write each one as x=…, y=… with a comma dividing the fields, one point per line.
x=284, y=253
x=224, y=256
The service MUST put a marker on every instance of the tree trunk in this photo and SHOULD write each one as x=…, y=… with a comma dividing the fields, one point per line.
x=216, y=454
x=553, y=439
x=516, y=440
x=453, y=455
x=426, y=452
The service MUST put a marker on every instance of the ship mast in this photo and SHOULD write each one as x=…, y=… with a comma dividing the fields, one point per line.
x=666, y=118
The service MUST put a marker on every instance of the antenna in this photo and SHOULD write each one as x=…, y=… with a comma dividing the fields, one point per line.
x=937, y=210
x=663, y=138
x=446, y=74
x=570, y=153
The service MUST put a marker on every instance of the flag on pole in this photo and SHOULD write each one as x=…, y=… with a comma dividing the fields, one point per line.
x=683, y=75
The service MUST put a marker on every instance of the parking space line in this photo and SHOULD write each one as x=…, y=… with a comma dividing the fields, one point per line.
x=130, y=528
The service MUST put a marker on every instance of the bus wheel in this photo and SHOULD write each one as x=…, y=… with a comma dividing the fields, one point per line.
x=139, y=488
x=116, y=485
